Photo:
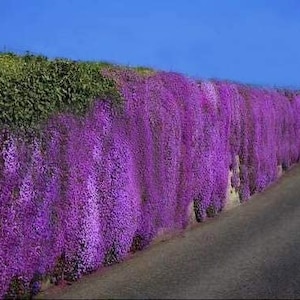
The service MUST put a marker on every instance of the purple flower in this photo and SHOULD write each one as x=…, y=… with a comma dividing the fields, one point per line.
x=91, y=189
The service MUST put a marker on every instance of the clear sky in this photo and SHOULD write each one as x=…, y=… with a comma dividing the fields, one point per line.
x=253, y=41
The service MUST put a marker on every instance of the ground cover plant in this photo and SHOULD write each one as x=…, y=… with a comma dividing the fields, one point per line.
x=104, y=157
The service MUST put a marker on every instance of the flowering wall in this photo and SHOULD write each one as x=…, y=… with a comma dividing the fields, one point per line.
x=91, y=189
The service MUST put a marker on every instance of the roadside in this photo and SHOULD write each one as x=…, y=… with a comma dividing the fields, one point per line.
x=251, y=251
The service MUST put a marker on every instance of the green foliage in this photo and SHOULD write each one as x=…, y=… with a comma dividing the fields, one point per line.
x=32, y=88
x=144, y=71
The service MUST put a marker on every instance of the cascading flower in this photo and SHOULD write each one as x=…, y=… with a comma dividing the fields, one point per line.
x=90, y=189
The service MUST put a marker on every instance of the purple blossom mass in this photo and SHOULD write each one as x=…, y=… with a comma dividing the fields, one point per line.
x=92, y=189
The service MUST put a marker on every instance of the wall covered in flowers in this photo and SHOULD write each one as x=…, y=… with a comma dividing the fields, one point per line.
x=91, y=189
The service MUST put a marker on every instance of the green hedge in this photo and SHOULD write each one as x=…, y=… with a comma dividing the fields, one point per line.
x=32, y=88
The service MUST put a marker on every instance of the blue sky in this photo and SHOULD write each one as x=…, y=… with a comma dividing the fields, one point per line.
x=254, y=41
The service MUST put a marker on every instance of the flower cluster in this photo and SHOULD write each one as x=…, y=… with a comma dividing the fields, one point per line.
x=91, y=189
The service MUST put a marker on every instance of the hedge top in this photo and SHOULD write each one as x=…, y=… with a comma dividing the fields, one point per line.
x=32, y=88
